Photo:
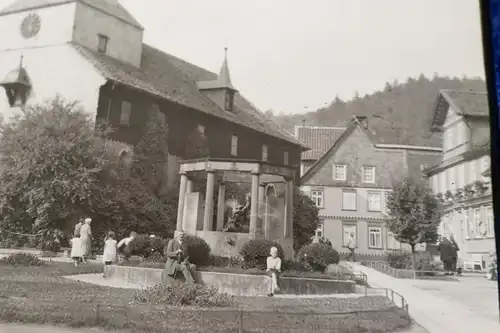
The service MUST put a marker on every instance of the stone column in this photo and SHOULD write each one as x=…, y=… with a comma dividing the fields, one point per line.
x=288, y=225
x=182, y=199
x=221, y=205
x=209, y=201
x=254, y=206
x=189, y=186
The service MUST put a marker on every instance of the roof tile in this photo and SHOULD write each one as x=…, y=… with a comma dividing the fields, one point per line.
x=319, y=139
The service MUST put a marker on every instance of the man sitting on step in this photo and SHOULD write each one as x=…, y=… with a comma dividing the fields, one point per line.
x=177, y=258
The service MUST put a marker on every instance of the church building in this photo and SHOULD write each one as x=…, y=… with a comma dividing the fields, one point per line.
x=92, y=51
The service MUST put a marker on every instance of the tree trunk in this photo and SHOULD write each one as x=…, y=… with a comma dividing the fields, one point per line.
x=413, y=259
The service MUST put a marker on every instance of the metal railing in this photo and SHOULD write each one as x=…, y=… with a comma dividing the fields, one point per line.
x=398, y=272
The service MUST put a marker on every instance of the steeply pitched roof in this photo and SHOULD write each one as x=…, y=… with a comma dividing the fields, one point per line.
x=319, y=139
x=174, y=79
x=464, y=103
x=108, y=6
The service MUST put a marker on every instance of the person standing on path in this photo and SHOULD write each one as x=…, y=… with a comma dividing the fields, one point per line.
x=78, y=227
x=177, y=258
x=351, y=245
x=454, y=257
x=86, y=237
x=445, y=248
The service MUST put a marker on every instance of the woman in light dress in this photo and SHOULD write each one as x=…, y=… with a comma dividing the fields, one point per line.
x=109, y=254
x=86, y=237
x=274, y=270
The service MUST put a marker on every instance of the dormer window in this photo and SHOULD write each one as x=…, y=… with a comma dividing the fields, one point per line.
x=102, y=43
x=234, y=145
x=264, y=152
x=229, y=100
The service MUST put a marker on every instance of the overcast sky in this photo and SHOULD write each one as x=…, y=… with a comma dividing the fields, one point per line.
x=289, y=55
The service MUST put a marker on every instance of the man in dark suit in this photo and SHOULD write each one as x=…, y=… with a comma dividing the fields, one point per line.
x=177, y=258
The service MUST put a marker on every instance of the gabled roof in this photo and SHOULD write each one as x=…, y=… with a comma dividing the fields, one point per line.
x=319, y=139
x=113, y=8
x=223, y=81
x=174, y=79
x=355, y=123
x=464, y=103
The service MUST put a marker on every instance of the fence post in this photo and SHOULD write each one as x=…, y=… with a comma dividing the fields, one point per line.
x=97, y=310
x=392, y=296
x=358, y=314
x=366, y=290
x=241, y=322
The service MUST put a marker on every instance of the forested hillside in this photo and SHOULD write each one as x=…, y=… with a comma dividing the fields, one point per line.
x=401, y=113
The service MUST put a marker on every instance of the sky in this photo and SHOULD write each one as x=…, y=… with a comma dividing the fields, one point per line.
x=294, y=56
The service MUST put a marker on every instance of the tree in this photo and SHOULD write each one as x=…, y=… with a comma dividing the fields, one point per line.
x=305, y=218
x=151, y=153
x=413, y=214
x=58, y=166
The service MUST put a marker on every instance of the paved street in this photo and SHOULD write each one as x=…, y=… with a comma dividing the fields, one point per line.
x=15, y=328
x=444, y=306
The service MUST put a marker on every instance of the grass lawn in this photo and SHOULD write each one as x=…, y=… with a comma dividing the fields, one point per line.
x=41, y=295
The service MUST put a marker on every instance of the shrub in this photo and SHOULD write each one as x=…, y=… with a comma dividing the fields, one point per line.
x=399, y=259
x=146, y=246
x=22, y=259
x=198, y=250
x=184, y=294
x=139, y=246
x=318, y=256
x=156, y=257
x=234, y=262
x=256, y=251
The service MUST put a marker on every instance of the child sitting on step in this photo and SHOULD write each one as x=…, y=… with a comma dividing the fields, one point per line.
x=274, y=270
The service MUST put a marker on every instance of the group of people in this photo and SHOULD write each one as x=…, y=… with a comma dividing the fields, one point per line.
x=81, y=244
x=448, y=250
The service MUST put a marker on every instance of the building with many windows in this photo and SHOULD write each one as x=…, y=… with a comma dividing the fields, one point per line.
x=92, y=51
x=351, y=181
x=462, y=177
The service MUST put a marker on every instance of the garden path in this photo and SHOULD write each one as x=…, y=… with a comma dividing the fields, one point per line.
x=436, y=310
x=15, y=328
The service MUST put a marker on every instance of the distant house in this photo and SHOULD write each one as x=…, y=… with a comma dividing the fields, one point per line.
x=462, y=177
x=351, y=181
x=319, y=140
x=92, y=51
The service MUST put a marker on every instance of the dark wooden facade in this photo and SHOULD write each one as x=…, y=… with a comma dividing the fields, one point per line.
x=182, y=121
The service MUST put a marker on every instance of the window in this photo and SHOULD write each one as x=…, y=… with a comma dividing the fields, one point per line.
x=448, y=139
x=264, y=152
x=485, y=163
x=368, y=174
x=472, y=171
x=375, y=237
x=201, y=129
x=285, y=158
x=339, y=171
x=460, y=175
x=102, y=43
x=229, y=100
x=435, y=183
x=374, y=201
x=320, y=230
x=126, y=110
x=347, y=230
x=476, y=221
x=451, y=178
x=442, y=182
x=234, y=145
x=349, y=200
x=490, y=222
x=317, y=197
x=392, y=243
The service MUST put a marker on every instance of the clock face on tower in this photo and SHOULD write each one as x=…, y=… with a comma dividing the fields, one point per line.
x=31, y=25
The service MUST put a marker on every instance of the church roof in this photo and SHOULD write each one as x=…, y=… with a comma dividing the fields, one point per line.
x=112, y=7
x=174, y=79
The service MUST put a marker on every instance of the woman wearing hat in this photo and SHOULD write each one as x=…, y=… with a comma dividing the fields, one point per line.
x=86, y=238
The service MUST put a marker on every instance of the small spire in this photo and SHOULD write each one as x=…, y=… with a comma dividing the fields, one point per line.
x=224, y=78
